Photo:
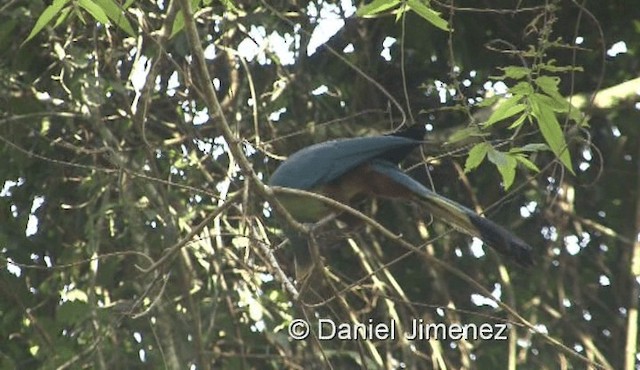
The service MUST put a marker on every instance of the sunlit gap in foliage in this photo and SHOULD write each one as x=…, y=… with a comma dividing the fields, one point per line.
x=8, y=184
x=619, y=47
x=258, y=43
x=266, y=209
x=218, y=148
x=528, y=209
x=142, y=355
x=328, y=20
x=138, y=76
x=173, y=84
x=16, y=270
x=210, y=51
x=550, y=233
x=615, y=131
x=387, y=43
x=587, y=156
x=480, y=300
x=11, y=268
x=477, y=248
x=70, y=293
x=275, y=116
x=496, y=88
x=32, y=222
x=196, y=117
x=320, y=90
x=573, y=244
x=139, y=71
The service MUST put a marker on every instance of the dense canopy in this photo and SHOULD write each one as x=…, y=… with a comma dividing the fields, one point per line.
x=136, y=230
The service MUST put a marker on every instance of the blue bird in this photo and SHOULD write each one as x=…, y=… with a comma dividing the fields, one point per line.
x=346, y=169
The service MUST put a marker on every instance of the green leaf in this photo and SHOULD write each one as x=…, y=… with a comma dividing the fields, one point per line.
x=476, y=156
x=519, y=121
x=95, y=10
x=430, y=15
x=497, y=157
x=47, y=15
x=64, y=13
x=553, y=98
x=522, y=88
x=558, y=105
x=375, y=7
x=533, y=147
x=178, y=23
x=515, y=72
x=526, y=162
x=228, y=4
x=459, y=135
x=488, y=101
x=506, y=109
x=549, y=85
x=506, y=165
x=551, y=67
x=552, y=132
x=504, y=114
x=400, y=12
x=116, y=14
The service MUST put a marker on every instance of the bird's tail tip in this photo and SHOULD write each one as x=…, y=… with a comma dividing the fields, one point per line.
x=504, y=241
x=521, y=252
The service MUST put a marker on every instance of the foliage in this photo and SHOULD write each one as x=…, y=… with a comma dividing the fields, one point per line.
x=135, y=231
x=421, y=7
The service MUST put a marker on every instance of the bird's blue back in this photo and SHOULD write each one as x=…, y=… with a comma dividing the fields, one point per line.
x=322, y=163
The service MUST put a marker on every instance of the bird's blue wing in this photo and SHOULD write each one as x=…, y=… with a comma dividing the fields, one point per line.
x=322, y=163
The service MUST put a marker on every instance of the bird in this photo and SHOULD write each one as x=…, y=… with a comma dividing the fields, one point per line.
x=349, y=168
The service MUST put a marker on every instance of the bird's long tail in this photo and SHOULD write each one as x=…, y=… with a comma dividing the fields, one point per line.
x=461, y=217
